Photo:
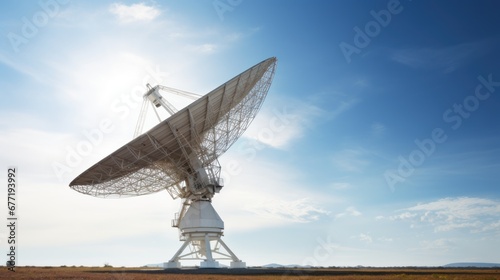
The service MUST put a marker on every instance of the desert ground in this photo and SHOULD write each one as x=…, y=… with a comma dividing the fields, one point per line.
x=102, y=273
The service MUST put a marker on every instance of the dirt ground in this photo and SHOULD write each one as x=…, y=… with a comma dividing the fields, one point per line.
x=248, y=274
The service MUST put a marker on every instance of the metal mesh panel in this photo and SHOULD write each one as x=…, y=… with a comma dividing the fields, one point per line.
x=162, y=158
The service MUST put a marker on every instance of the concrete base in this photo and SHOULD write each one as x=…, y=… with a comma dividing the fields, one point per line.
x=238, y=265
x=209, y=264
x=168, y=265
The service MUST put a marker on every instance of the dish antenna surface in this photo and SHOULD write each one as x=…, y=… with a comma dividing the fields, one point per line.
x=180, y=155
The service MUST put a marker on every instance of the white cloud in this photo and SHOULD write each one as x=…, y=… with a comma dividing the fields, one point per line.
x=265, y=194
x=76, y=217
x=447, y=214
x=31, y=150
x=461, y=207
x=386, y=239
x=342, y=107
x=278, y=125
x=297, y=211
x=439, y=245
x=403, y=216
x=350, y=160
x=365, y=238
x=134, y=12
x=447, y=59
x=378, y=129
x=362, y=82
x=203, y=48
x=20, y=67
x=341, y=185
x=283, y=120
x=349, y=211
x=494, y=226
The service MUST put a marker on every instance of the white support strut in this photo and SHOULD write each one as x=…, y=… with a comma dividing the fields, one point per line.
x=180, y=155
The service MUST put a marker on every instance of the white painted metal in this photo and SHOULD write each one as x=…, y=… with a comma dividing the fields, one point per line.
x=180, y=155
x=153, y=95
x=159, y=159
x=201, y=227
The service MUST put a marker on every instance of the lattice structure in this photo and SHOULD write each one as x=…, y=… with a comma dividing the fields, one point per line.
x=180, y=155
x=166, y=155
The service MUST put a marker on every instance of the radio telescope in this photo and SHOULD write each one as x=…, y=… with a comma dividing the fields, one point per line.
x=180, y=155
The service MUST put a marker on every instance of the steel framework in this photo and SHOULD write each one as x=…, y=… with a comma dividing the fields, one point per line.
x=180, y=154
x=167, y=155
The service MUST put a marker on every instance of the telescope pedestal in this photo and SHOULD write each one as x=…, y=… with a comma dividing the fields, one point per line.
x=200, y=227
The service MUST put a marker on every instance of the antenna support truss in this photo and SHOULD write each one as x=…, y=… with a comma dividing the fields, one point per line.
x=180, y=154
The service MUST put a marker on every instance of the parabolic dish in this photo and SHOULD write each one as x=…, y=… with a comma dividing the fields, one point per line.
x=160, y=158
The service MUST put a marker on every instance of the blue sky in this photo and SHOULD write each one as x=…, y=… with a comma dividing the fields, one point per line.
x=378, y=143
